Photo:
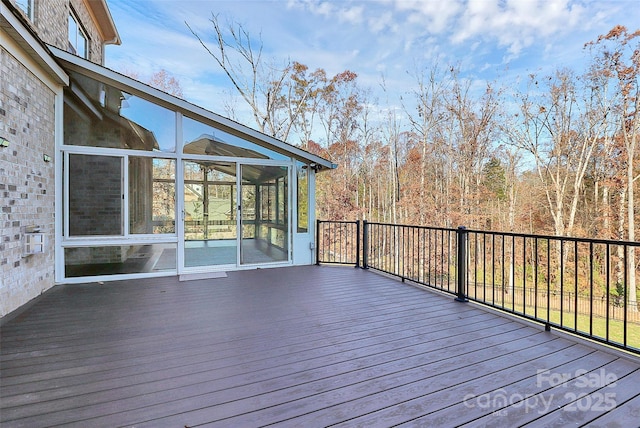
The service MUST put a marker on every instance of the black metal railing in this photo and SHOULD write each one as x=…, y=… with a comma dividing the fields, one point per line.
x=576, y=285
x=338, y=242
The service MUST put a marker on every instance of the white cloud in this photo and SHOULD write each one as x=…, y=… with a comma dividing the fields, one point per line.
x=325, y=8
x=367, y=37
x=517, y=24
x=352, y=15
x=383, y=22
x=434, y=16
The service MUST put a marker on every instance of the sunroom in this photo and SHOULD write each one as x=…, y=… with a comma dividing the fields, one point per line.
x=151, y=185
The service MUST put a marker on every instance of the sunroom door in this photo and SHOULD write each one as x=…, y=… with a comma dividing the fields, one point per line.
x=264, y=217
x=210, y=220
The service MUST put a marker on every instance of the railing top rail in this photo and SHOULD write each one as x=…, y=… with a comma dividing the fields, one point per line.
x=457, y=267
x=339, y=221
x=446, y=229
x=557, y=238
x=497, y=233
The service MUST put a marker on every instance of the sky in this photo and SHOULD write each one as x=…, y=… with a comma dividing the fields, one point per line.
x=490, y=40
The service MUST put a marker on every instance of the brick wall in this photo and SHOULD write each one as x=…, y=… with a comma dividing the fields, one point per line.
x=27, y=182
x=50, y=22
x=95, y=195
x=95, y=40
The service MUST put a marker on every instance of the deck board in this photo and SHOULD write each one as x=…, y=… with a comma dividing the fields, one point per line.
x=305, y=346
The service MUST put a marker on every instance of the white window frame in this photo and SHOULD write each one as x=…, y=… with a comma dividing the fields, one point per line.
x=78, y=33
x=297, y=241
x=27, y=6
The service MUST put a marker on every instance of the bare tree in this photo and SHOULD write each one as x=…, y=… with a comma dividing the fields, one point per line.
x=429, y=114
x=561, y=131
x=166, y=82
x=305, y=91
x=259, y=84
x=162, y=80
x=619, y=59
x=473, y=125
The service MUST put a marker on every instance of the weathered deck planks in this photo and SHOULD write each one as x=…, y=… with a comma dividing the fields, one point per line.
x=307, y=346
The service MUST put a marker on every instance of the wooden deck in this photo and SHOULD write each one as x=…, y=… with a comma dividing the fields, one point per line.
x=308, y=347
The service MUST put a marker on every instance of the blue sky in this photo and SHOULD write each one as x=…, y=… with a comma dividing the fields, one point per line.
x=488, y=39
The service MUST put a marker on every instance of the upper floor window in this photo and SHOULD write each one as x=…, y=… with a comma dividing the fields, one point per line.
x=78, y=40
x=27, y=7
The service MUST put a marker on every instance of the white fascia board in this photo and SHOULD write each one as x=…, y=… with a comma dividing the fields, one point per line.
x=104, y=21
x=16, y=30
x=159, y=97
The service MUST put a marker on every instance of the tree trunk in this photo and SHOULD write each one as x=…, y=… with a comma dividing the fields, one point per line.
x=619, y=271
x=631, y=258
x=606, y=222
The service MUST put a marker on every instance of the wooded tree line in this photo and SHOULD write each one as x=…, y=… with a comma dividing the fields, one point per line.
x=557, y=155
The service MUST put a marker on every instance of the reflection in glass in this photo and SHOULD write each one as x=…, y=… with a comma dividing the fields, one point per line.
x=26, y=6
x=95, y=195
x=303, y=199
x=265, y=226
x=100, y=115
x=201, y=139
x=152, y=195
x=77, y=38
x=119, y=259
x=210, y=213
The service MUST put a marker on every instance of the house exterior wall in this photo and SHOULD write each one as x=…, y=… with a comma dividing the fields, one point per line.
x=33, y=87
x=27, y=189
x=96, y=43
x=50, y=22
x=28, y=119
x=95, y=201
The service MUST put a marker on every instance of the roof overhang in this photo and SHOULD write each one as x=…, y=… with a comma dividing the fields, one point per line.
x=77, y=64
x=104, y=21
x=14, y=27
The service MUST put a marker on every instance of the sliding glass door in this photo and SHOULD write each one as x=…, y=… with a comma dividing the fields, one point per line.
x=265, y=214
x=210, y=220
x=214, y=194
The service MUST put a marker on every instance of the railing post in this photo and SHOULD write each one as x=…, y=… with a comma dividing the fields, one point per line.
x=462, y=236
x=357, y=244
x=317, y=242
x=365, y=244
